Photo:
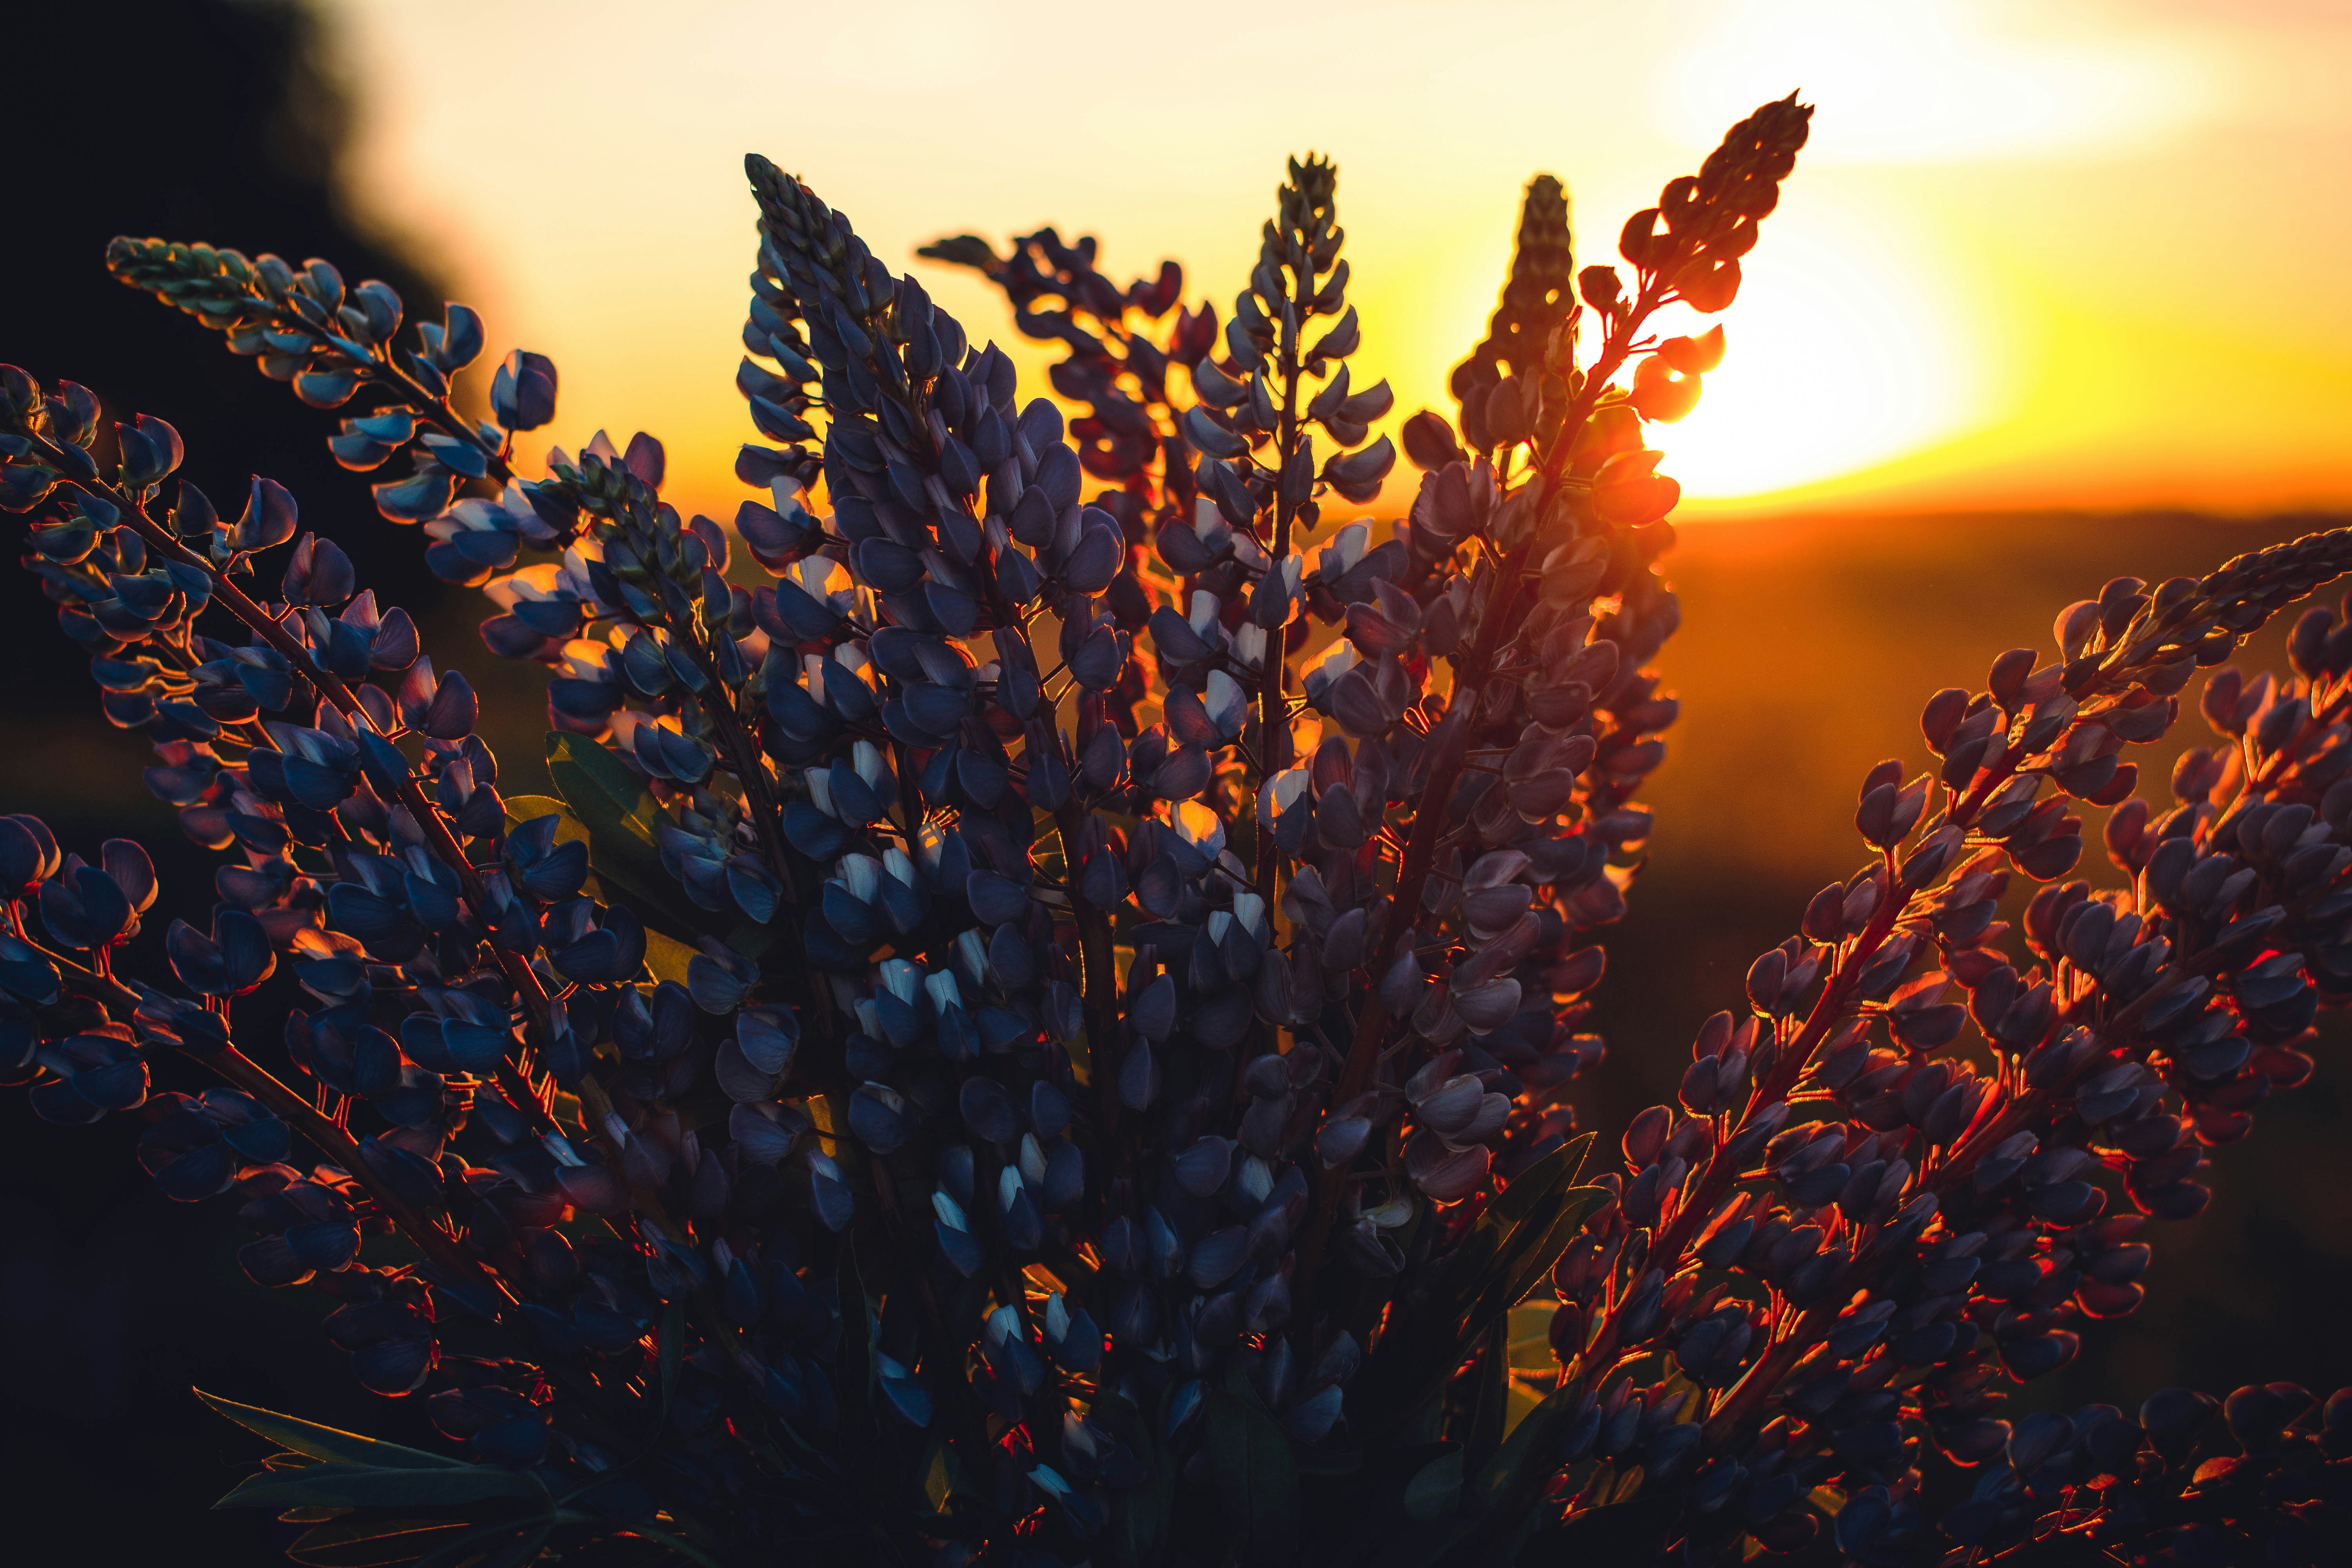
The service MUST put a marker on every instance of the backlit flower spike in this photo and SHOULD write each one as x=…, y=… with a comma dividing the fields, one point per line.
x=1138, y=986
x=302, y=325
x=284, y=781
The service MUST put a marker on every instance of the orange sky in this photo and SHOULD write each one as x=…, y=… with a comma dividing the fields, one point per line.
x=2066, y=253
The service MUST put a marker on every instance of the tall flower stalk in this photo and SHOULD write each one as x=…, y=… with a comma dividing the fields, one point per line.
x=1040, y=1029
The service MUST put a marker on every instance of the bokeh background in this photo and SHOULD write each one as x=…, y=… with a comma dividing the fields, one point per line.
x=2054, y=296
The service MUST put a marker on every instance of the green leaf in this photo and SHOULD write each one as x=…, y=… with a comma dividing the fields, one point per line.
x=1543, y=1250
x=1523, y=1233
x=854, y=1371
x=1507, y=1253
x=1532, y=1216
x=381, y=1486
x=1526, y=1192
x=499, y=1546
x=666, y=958
x=1249, y=1456
x=1534, y=1433
x=610, y=807
x=1531, y=1335
x=327, y=1443
x=599, y=786
x=1523, y=1402
x=938, y=1476
x=1139, y=1516
x=1424, y=1424
x=1490, y=1392
x=371, y=1540
x=1433, y=1492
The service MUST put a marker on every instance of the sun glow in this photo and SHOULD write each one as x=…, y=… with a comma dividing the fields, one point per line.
x=2038, y=252
x=1844, y=353
x=1849, y=347
x=1924, y=81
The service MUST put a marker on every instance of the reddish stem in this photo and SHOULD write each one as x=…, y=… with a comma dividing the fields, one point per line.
x=298, y=1114
x=429, y=818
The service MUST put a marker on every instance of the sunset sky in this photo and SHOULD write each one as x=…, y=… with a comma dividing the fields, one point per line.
x=2072, y=253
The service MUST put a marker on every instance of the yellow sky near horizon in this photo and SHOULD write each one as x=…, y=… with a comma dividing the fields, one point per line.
x=2078, y=253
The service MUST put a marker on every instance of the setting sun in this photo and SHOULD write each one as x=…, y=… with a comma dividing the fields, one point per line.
x=1842, y=356
x=1974, y=81
x=1991, y=284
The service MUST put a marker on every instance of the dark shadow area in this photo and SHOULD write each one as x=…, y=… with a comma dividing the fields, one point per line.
x=224, y=122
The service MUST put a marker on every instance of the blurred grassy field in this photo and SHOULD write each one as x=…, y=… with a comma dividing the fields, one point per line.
x=1809, y=646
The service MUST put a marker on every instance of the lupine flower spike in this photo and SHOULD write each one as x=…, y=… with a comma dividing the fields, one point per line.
x=1043, y=1025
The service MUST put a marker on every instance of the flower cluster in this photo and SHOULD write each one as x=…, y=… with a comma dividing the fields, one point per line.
x=1121, y=362
x=1846, y=1233
x=1039, y=1027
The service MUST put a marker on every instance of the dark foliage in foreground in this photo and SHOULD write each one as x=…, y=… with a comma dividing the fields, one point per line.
x=1042, y=1030
x=249, y=98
